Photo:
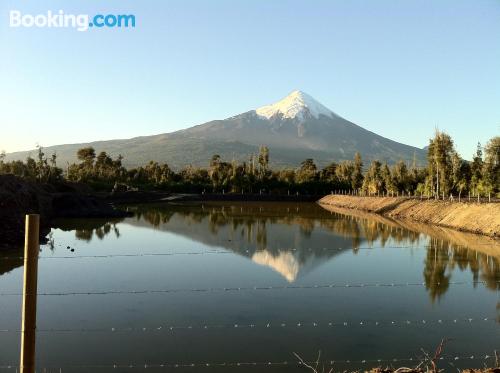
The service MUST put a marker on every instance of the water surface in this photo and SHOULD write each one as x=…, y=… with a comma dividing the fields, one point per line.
x=228, y=283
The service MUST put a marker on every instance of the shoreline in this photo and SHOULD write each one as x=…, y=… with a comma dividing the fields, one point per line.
x=19, y=197
x=486, y=245
x=155, y=197
x=477, y=218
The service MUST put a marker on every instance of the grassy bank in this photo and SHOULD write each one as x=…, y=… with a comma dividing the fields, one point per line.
x=480, y=218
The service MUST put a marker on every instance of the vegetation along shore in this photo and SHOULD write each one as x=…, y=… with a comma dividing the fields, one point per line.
x=90, y=186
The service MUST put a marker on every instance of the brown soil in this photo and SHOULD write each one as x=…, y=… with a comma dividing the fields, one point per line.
x=481, y=243
x=480, y=218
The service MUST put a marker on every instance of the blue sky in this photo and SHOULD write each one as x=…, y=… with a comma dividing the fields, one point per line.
x=397, y=68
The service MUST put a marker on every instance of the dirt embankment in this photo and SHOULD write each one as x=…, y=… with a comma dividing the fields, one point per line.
x=481, y=243
x=19, y=197
x=480, y=218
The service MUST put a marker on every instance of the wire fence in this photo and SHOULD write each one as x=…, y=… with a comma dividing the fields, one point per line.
x=224, y=252
x=462, y=198
x=274, y=325
x=270, y=325
x=477, y=357
x=254, y=288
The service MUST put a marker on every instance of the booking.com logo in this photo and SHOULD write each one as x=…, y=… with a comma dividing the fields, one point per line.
x=80, y=22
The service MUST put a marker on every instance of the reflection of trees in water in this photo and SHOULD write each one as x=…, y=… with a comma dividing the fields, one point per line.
x=11, y=259
x=86, y=229
x=86, y=234
x=306, y=226
x=254, y=218
x=251, y=222
x=436, y=280
x=371, y=231
x=153, y=217
x=443, y=257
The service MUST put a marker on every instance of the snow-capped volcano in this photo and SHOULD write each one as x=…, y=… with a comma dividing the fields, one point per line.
x=295, y=128
x=297, y=104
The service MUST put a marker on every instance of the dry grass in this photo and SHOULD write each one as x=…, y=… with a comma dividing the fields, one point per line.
x=427, y=365
x=481, y=218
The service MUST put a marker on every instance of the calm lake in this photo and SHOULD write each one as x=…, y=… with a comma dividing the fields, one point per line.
x=241, y=287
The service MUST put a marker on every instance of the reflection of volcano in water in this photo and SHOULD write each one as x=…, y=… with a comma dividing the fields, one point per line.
x=290, y=239
x=286, y=263
x=294, y=239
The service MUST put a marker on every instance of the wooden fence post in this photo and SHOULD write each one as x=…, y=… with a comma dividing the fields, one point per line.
x=28, y=326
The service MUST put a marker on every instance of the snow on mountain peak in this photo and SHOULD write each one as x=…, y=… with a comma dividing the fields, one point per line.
x=295, y=105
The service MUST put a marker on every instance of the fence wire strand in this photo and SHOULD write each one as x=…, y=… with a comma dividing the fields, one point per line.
x=272, y=325
x=255, y=288
x=480, y=357
x=215, y=252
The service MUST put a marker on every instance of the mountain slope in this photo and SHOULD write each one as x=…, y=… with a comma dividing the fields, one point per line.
x=294, y=128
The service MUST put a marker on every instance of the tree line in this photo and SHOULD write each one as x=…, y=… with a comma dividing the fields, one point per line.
x=446, y=173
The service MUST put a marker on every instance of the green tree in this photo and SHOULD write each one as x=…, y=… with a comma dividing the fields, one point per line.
x=307, y=171
x=344, y=172
x=400, y=177
x=373, y=182
x=287, y=176
x=389, y=185
x=439, y=155
x=460, y=174
x=41, y=164
x=214, y=172
x=357, y=175
x=328, y=174
x=491, y=166
x=476, y=169
x=263, y=161
x=86, y=155
x=219, y=173
x=3, y=167
x=237, y=177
